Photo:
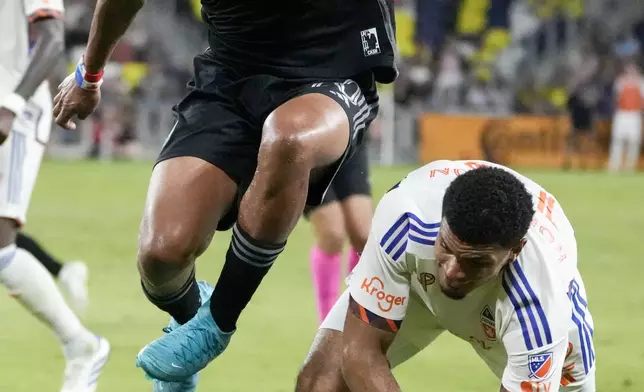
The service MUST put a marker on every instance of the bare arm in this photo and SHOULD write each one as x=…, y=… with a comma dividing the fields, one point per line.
x=50, y=43
x=364, y=360
x=111, y=20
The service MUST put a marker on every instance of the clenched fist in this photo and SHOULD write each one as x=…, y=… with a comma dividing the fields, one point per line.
x=72, y=100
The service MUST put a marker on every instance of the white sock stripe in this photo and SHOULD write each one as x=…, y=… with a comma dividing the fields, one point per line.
x=240, y=253
x=250, y=254
x=262, y=252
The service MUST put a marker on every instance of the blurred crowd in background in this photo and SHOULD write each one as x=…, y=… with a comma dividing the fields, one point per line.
x=456, y=56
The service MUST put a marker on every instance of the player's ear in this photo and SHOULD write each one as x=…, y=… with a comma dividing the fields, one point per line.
x=517, y=249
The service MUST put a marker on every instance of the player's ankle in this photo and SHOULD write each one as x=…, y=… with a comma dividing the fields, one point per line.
x=84, y=343
x=182, y=305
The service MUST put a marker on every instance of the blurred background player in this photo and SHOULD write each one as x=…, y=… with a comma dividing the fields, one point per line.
x=345, y=213
x=581, y=140
x=25, y=124
x=72, y=275
x=626, y=136
x=474, y=249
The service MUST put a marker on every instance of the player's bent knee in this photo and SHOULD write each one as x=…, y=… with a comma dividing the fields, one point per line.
x=174, y=249
x=330, y=233
x=312, y=129
x=331, y=239
x=285, y=148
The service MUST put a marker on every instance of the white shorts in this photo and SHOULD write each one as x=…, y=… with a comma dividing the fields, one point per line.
x=421, y=328
x=21, y=155
x=627, y=126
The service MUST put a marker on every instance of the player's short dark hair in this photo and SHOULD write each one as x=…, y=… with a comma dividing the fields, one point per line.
x=488, y=206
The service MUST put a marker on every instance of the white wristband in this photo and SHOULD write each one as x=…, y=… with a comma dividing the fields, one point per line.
x=14, y=103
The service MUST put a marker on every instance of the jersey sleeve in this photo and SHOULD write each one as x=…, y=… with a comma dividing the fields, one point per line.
x=536, y=336
x=43, y=9
x=379, y=283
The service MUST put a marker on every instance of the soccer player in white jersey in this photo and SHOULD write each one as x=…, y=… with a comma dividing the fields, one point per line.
x=25, y=123
x=474, y=249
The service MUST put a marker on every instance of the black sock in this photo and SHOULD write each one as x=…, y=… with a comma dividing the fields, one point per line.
x=247, y=261
x=183, y=305
x=27, y=243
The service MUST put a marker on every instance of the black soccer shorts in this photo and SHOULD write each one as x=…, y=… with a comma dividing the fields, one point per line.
x=220, y=120
x=352, y=179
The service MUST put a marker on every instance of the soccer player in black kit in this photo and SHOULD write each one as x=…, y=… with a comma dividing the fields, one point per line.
x=277, y=103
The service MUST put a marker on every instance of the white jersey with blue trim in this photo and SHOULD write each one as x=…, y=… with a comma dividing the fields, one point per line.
x=531, y=325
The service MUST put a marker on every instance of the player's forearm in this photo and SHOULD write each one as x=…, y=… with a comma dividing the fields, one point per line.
x=368, y=372
x=111, y=20
x=50, y=43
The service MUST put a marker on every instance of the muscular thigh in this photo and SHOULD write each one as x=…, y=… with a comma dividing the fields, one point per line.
x=330, y=117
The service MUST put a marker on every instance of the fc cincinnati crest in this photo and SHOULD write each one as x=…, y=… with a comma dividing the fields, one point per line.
x=488, y=324
x=540, y=365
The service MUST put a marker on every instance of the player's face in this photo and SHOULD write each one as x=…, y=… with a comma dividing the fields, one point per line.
x=462, y=267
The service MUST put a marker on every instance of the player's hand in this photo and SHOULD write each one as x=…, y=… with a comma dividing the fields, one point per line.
x=6, y=122
x=72, y=100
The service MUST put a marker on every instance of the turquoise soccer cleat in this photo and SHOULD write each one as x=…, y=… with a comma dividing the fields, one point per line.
x=182, y=353
x=187, y=385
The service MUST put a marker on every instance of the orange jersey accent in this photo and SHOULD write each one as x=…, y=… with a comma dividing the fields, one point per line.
x=629, y=94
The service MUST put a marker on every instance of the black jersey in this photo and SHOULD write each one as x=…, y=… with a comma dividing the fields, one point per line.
x=304, y=38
